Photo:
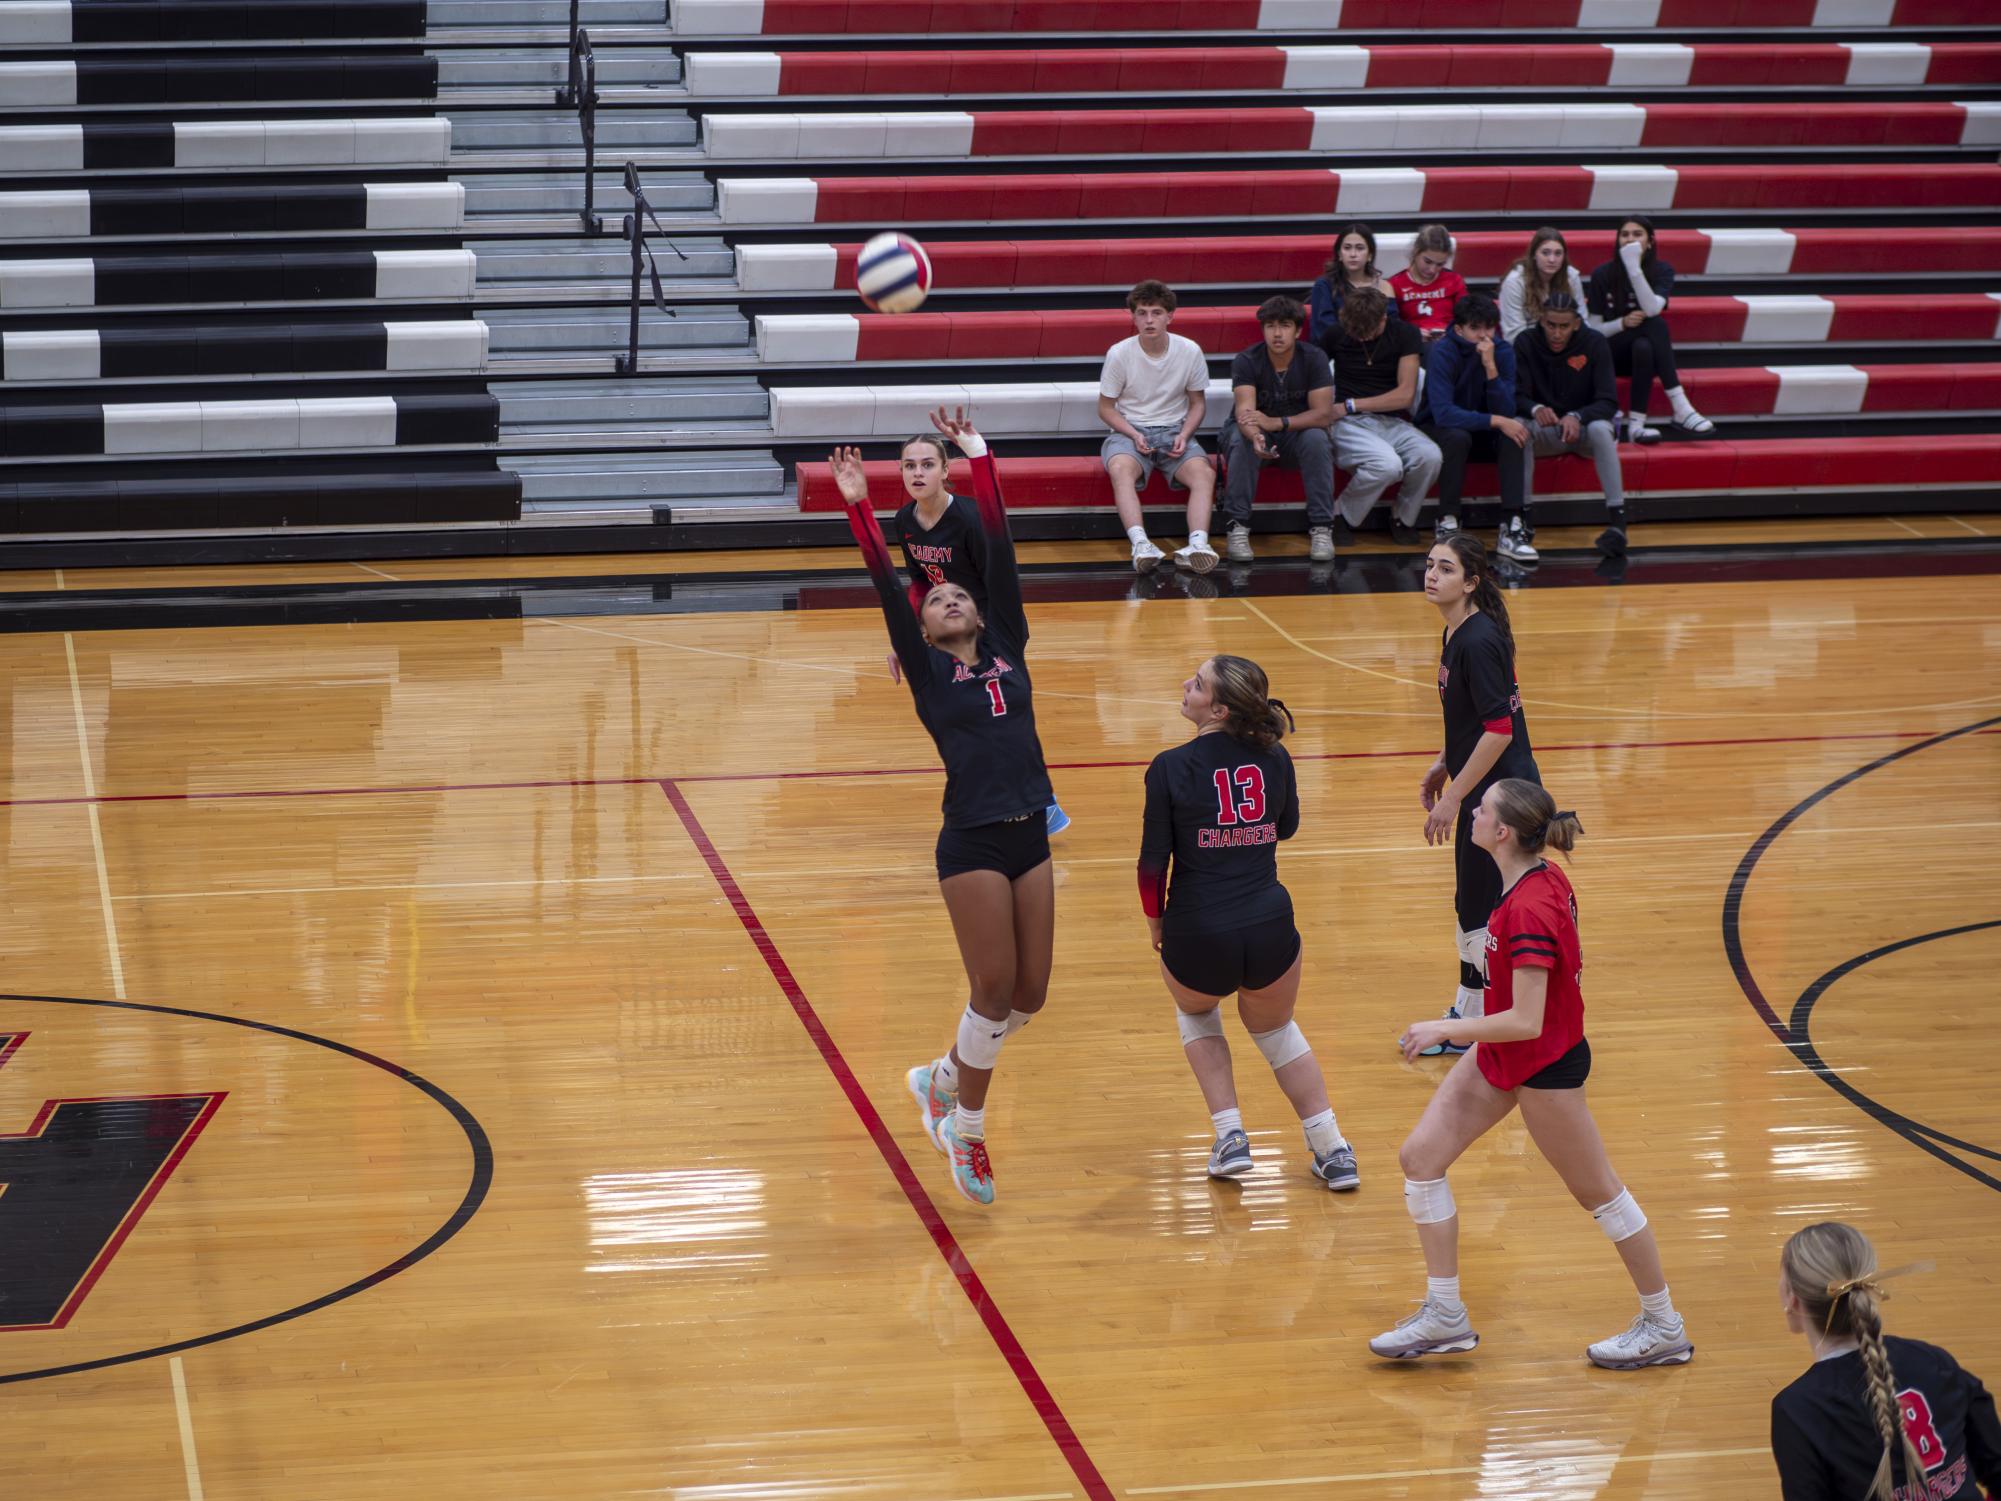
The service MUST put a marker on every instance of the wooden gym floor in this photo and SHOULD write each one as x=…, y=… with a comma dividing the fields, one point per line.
x=557, y=973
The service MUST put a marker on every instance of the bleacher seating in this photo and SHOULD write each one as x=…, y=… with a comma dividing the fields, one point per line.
x=268, y=264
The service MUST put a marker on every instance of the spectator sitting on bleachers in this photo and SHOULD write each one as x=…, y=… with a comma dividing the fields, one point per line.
x=1426, y=289
x=1564, y=387
x=1284, y=391
x=1152, y=394
x=1469, y=408
x=1629, y=295
x=1353, y=264
x=1375, y=386
x=1544, y=269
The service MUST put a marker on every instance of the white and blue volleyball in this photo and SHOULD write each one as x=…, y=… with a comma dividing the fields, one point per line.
x=893, y=274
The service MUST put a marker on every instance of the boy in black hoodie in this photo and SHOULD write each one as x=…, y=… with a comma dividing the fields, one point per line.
x=1564, y=390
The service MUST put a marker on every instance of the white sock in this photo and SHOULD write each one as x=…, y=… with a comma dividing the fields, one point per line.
x=1322, y=1135
x=1470, y=1004
x=1660, y=1308
x=1227, y=1121
x=1198, y=539
x=1678, y=399
x=1444, y=1291
x=945, y=1073
x=1137, y=534
x=970, y=1124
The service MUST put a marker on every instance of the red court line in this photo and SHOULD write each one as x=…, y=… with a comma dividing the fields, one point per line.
x=899, y=1166
x=902, y=771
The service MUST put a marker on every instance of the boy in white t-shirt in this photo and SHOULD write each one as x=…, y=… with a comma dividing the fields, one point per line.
x=1152, y=394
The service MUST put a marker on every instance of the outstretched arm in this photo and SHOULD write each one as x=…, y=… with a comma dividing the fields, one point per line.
x=904, y=634
x=1003, y=578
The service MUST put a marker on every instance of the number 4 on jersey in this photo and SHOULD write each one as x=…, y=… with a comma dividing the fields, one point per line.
x=1240, y=794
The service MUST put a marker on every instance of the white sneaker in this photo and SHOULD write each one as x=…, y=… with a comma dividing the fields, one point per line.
x=1146, y=557
x=1645, y=1343
x=1320, y=544
x=1514, y=544
x=1445, y=526
x=1238, y=543
x=1200, y=559
x=1429, y=1331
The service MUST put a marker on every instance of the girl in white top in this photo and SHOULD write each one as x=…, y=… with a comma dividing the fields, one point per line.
x=1545, y=269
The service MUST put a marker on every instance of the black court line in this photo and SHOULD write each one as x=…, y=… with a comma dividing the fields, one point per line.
x=1793, y=1031
x=468, y=1205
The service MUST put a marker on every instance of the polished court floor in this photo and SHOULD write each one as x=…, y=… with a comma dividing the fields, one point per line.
x=498, y=1012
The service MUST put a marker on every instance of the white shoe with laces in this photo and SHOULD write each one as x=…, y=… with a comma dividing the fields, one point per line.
x=1199, y=559
x=1146, y=557
x=1430, y=1331
x=1645, y=1343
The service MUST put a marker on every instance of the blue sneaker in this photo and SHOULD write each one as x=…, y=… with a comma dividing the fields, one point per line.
x=933, y=1102
x=1337, y=1169
x=1231, y=1156
x=1447, y=1049
x=972, y=1173
x=1058, y=819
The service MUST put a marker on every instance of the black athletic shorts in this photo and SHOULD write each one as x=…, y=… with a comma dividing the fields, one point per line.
x=1013, y=847
x=1224, y=963
x=1477, y=888
x=1568, y=1072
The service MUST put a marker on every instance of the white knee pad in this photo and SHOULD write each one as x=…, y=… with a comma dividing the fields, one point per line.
x=1621, y=1219
x=1283, y=1045
x=1196, y=1025
x=980, y=1040
x=1429, y=1201
x=1473, y=948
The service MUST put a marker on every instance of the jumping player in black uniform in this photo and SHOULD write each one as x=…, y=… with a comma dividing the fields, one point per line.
x=969, y=679
x=1216, y=808
x=942, y=542
x=1875, y=1418
x=1486, y=739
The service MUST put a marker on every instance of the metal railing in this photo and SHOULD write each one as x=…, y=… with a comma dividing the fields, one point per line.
x=642, y=250
x=566, y=97
x=584, y=67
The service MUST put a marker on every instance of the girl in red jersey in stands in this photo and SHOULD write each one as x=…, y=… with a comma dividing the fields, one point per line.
x=1427, y=288
x=1528, y=1050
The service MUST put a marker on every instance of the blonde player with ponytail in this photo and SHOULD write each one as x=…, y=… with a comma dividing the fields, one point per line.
x=1873, y=1413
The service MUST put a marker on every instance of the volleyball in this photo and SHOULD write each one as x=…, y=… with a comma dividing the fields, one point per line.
x=893, y=274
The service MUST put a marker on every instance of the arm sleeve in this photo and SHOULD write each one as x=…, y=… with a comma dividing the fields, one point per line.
x=1492, y=685
x=1112, y=376
x=1604, y=404
x=1320, y=308
x=1513, y=321
x=904, y=635
x=1501, y=389
x=1983, y=1434
x=1651, y=302
x=1802, y=1473
x=1288, y=816
x=1003, y=578
x=1156, y=843
x=1527, y=398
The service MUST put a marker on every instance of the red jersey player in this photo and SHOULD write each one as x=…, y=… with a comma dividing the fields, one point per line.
x=1528, y=1050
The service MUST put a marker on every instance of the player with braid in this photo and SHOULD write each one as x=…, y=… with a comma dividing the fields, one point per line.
x=1875, y=1418
x=970, y=681
x=1528, y=1051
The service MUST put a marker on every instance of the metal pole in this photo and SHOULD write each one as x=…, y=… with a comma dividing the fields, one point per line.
x=587, y=117
x=628, y=363
x=566, y=98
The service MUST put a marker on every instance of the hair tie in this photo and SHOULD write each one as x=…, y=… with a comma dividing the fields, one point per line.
x=1553, y=820
x=1871, y=1283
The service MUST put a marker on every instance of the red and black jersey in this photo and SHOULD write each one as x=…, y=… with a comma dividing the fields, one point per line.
x=954, y=551
x=1534, y=927
x=1825, y=1441
x=1428, y=306
x=981, y=716
x=1477, y=690
x=1216, y=808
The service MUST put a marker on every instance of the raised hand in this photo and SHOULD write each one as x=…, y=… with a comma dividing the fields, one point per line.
x=958, y=427
x=849, y=475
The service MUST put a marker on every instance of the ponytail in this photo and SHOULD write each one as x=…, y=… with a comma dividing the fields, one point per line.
x=1254, y=716
x=1831, y=1269
x=1472, y=555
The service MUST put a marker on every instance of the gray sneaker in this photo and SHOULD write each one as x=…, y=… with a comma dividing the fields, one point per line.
x=1514, y=544
x=1231, y=1156
x=1445, y=526
x=1337, y=1169
x=1237, y=543
x=1429, y=1331
x=1645, y=1343
x=1320, y=544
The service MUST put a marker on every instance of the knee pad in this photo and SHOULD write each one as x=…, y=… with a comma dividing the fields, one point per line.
x=1196, y=1025
x=980, y=1039
x=1016, y=1020
x=1282, y=1045
x=1430, y=1201
x=1473, y=948
x=1620, y=1219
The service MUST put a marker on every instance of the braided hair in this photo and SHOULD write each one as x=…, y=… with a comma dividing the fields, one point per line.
x=1831, y=1269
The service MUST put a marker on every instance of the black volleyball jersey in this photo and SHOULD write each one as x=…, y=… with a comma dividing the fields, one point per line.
x=1477, y=690
x=952, y=552
x=1216, y=808
x=1827, y=1447
x=981, y=716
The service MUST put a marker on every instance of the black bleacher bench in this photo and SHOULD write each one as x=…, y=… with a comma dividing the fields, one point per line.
x=228, y=210
x=223, y=80
x=31, y=430
x=243, y=20
x=260, y=349
x=295, y=276
x=303, y=494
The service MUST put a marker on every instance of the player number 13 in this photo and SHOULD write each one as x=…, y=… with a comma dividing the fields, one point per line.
x=1240, y=794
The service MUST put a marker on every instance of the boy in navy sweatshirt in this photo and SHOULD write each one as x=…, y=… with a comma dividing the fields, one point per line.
x=1469, y=409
